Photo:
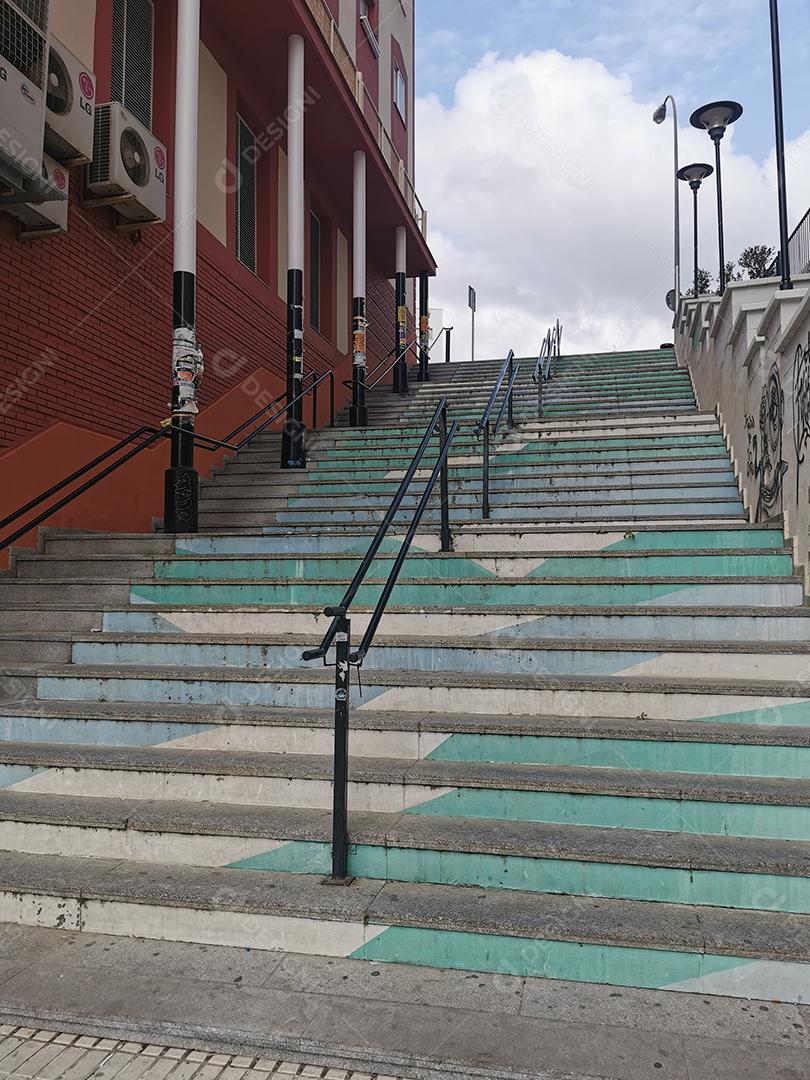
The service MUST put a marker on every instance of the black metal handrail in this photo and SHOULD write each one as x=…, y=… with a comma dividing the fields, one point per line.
x=496, y=389
x=152, y=435
x=798, y=249
x=339, y=631
x=410, y=347
x=544, y=368
x=485, y=423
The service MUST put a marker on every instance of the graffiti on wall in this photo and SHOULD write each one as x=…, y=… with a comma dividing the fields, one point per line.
x=801, y=406
x=766, y=464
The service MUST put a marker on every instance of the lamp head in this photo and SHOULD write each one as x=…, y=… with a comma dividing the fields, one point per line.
x=660, y=114
x=716, y=117
x=695, y=174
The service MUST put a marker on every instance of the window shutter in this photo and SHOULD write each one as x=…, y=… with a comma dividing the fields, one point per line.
x=246, y=195
x=132, y=57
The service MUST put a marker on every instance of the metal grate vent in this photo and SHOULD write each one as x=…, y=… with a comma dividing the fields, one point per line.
x=246, y=195
x=36, y=11
x=99, y=169
x=132, y=57
x=22, y=43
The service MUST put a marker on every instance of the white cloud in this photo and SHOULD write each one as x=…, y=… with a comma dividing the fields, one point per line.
x=550, y=189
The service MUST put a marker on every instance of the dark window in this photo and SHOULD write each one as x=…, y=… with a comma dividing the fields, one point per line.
x=315, y=272
x=245, y=195
x=133, y=57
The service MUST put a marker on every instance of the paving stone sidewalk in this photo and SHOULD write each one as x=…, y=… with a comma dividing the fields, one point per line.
x=28, y=1054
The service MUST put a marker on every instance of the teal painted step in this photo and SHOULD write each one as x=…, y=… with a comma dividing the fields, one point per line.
x=484, y=593
x=608, y=466
x=565, y=512
x=554, y=496
x=413, y=655
x=714, y=442
x=418, y=565
x=717, y=759
x=622, y=812
x=614, y=880
x=658, y=625
x=542, y=485
x=528, y=456
x=653, y=540
x=537, y=958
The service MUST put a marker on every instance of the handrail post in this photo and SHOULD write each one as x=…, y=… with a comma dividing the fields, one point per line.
x=447, y=542
x=315, y=405
x=331, y=399
x=340, y=810
x=511, y=392
x=447, y=345
x=486, y=470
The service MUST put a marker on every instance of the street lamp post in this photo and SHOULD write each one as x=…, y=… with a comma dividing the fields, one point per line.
x=659, y=116
x=784, y=241
x=694, y=175
x=715, y=118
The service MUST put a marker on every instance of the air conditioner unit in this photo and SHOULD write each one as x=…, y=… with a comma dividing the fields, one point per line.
x=70, y=105
x=49, y=216
x=23, y=64
x=129, y=168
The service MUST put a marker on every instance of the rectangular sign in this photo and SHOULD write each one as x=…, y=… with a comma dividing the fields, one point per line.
x=471, y=299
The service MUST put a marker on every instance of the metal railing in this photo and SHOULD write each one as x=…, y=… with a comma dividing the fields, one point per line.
x=798, y=249
x=544, y=368
x=511, y=369
x=339, y=632
x=354, y=80
x=150, y=436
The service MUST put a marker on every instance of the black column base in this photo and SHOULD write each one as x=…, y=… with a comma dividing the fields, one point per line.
x=401, y=377
x=181, y=500
x=294, y=445
x=358, y=416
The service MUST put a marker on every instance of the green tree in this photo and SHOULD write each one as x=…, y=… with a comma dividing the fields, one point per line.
x=757, y=260
x=704, y=284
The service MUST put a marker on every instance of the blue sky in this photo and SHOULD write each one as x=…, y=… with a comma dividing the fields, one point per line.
x=699, y=51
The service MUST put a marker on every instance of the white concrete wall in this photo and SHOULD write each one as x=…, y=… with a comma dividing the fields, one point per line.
x=749, y=357
x=73, y=22
x=342, y=300
x=396, y=20
x=212, y=146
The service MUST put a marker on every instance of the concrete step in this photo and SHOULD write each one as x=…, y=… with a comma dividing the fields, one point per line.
x=627, y=864
x=735, y=563
x=660, y=659
x=622, y=624
x=501, y=481
x=684, y=592
x=410, y=691
x=523, y=933
x=225, y=495
x=268, y=474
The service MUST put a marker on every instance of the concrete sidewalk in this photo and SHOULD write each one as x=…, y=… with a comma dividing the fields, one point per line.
x=386, y=1020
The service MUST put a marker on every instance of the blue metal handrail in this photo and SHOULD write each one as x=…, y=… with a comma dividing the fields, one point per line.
x=544, y=368
x=339, y=632
x=496, y=389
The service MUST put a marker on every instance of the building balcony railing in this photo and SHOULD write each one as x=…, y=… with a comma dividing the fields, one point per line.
x=354, y=80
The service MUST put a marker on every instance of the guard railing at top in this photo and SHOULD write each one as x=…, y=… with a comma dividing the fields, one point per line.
x=546, y=362
x=144, y=437
x=339, y=632
x=507, y=376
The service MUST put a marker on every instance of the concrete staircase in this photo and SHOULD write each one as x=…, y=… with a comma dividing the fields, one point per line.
x=581, y=747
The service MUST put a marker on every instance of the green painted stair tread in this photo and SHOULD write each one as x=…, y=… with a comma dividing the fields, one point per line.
x=785, y=689
x=736, y=728
x=501, y=916
x=466, y=776
x=530, y=840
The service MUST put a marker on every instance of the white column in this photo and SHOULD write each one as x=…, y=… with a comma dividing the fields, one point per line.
x=295, y=154
x=358, y=414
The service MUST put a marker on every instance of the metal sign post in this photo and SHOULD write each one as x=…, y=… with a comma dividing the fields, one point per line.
x=471, y=300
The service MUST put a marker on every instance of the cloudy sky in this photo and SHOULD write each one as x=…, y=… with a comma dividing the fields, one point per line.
x=548, y=185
